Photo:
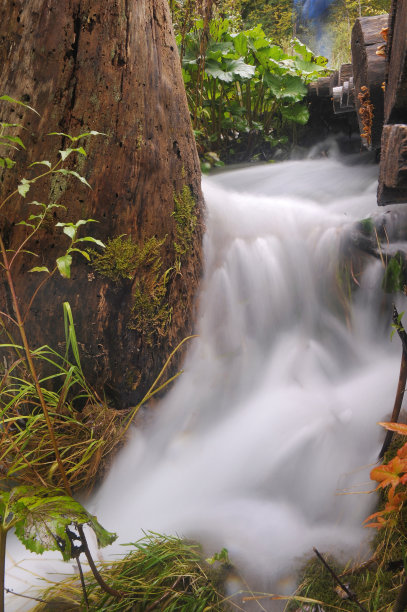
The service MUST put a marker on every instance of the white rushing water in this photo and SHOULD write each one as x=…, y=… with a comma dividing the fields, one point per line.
x=275, y=417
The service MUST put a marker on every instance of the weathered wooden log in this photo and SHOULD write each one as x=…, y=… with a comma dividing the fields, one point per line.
x=396, y=86
x=393, y=165
x=345, y=73
x=333, y=80
x=369, y=75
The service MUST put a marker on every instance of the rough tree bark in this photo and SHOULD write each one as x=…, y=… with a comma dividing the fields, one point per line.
x=112, y=67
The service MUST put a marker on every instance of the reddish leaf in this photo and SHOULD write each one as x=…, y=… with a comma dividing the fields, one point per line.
x=389, y=474
x=399, y=428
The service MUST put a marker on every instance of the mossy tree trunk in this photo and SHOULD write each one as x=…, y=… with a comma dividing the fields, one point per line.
x=111, y=67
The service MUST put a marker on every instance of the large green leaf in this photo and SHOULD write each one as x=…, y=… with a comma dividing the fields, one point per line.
x=285, y=87
x=230, y=70
x=41, y=517
x=240, y=43
x=296, y=112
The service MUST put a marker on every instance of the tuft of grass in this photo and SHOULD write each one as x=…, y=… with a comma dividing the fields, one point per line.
x=86, y=429
x=161, y=573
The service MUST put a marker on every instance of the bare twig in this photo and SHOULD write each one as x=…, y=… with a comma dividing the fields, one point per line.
x=25, y=596
x=343, y=586
x=402, y=380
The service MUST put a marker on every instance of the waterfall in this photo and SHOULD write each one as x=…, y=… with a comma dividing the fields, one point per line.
x=264, y=444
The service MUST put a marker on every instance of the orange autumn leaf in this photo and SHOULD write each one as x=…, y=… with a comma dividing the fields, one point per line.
x=400, y=428
x=389, y=474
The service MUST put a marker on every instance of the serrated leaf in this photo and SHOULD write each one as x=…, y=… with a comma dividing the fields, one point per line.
x=8, y=99
x=41, y=517
x=24, y=187
x=41, y=163
x=75, y=174
x=14, y=140
x=90, y=239
x=70, y=231
x=64, y=265
x=39, y=269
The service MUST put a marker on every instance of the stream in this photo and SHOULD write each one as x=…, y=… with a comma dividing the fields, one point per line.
x=264, y=444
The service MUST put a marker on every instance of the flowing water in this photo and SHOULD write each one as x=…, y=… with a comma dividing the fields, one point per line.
x=264, y=444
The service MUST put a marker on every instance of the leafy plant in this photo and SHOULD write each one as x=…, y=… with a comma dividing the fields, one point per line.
x=244, y=91
x=35, y=413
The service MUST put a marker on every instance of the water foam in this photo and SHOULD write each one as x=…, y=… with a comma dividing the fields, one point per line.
x=274, y=420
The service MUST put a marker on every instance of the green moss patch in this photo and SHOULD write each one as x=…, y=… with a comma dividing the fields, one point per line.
x=123, y=259
x=185, y=222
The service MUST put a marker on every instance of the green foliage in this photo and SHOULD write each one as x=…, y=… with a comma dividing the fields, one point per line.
x=394, y=275
x=162, y=573
x=41, y=518
x=221, y=557
x=185, y=223
x=277, y=18
x=37, y=437
x=244, y=92
x=340, y=20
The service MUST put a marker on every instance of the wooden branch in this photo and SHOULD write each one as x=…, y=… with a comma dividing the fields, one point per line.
x=401, y=387
x=349, y=593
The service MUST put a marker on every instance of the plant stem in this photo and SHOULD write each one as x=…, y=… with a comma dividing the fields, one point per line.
x=85, y=595
x=3, y=537
x=93, y=567
x=31, y=366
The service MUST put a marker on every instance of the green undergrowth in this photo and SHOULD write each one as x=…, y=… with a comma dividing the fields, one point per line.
x=375, y=583
x=161, y=573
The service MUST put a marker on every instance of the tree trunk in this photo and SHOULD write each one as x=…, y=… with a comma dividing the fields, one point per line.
x=111, y=67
